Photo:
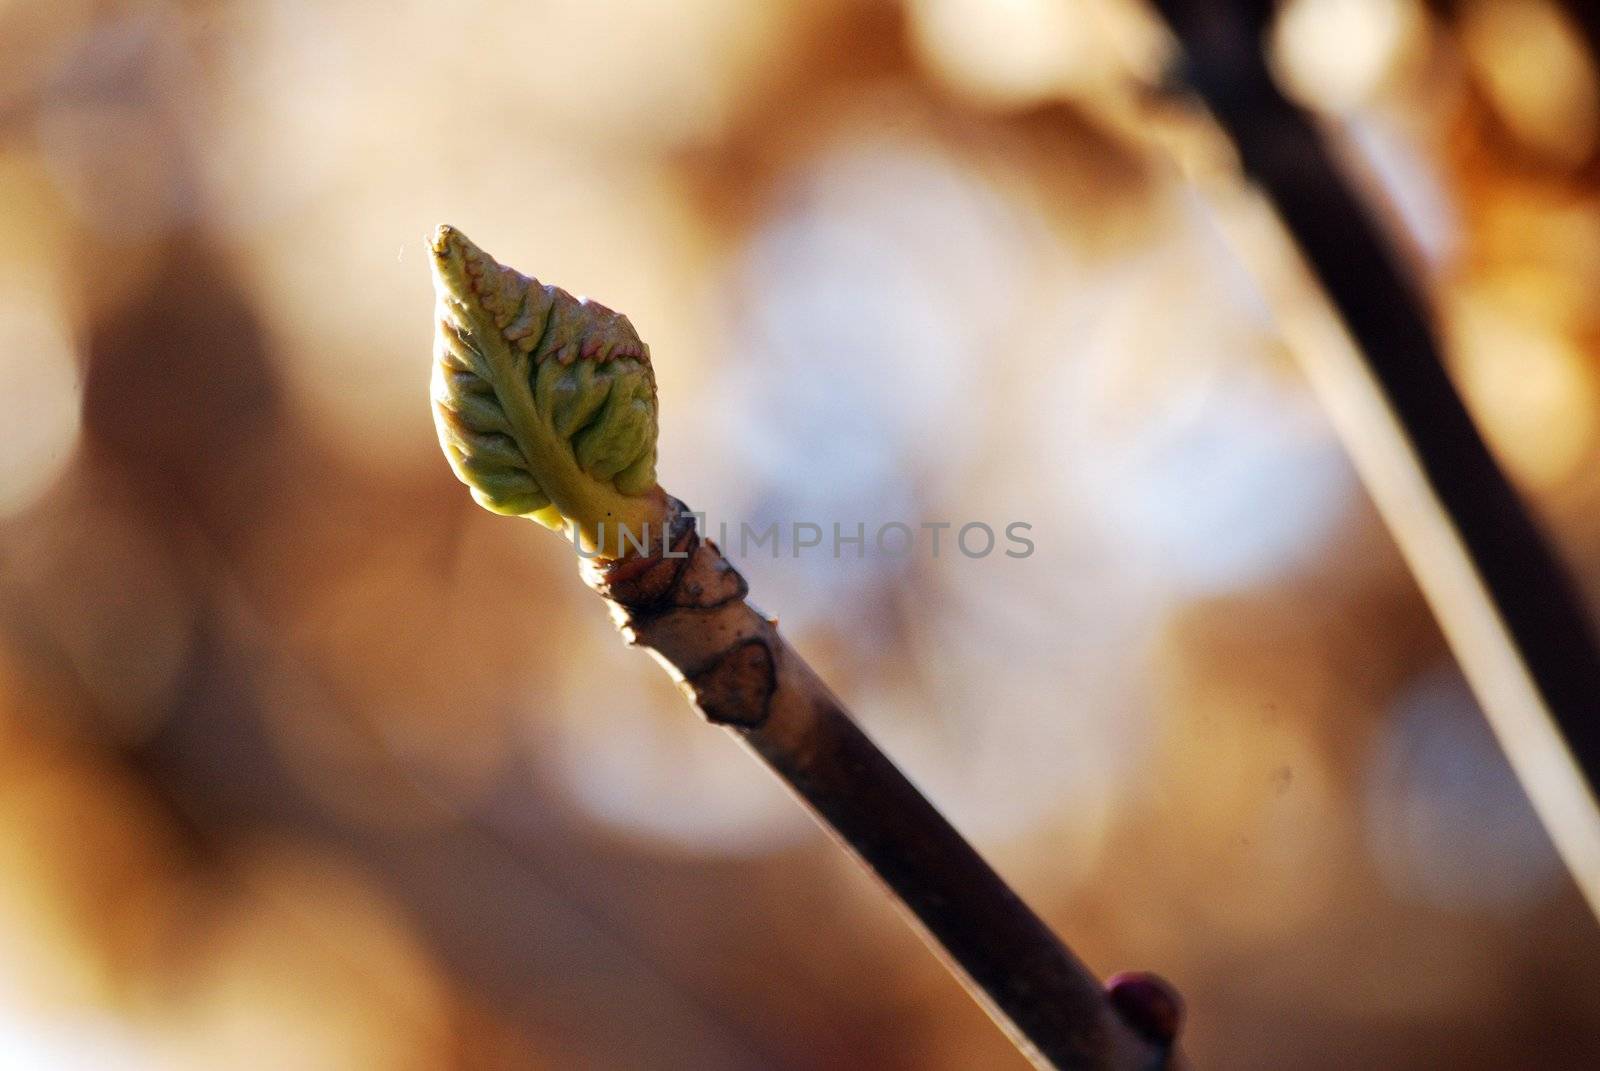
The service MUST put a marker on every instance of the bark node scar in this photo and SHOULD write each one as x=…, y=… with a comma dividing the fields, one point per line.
x=736, y=687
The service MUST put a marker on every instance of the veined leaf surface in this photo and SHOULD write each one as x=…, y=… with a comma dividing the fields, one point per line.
x=545, y=403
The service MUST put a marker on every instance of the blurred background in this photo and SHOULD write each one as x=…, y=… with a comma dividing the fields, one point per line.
x=307, y=762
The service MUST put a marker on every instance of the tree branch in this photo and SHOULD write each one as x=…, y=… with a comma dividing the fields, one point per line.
x=526, y=388
x=732, y=664
x=1361, y=331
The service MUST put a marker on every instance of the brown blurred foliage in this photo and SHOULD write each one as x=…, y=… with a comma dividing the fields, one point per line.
x=306, y=762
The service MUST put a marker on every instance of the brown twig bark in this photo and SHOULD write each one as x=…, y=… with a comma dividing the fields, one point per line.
x=545, y=407
x=685, y=603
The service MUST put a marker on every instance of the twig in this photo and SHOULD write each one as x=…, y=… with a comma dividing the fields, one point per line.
x=732, y=664
x=526, y=386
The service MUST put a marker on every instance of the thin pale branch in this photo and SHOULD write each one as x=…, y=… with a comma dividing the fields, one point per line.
x=1361, y=331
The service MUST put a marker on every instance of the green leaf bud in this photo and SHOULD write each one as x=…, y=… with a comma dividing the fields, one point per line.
x=545, y=404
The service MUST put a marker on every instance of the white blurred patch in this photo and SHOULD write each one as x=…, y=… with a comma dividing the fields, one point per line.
x=1011, y=52
x=867, y=304
x=1191, y=442
x=43, y=394
x=1030, y=711
x=1447, y=822
x=88, y=1041
x=1334, y=55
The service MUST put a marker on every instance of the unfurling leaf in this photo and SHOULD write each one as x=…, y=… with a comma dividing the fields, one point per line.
x=545, y=403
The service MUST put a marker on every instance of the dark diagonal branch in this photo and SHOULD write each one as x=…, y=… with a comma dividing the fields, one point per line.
x=691, y=613
x=1505, y=604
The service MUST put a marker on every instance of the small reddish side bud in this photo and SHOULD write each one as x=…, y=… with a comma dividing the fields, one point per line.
x=1148, y=1004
